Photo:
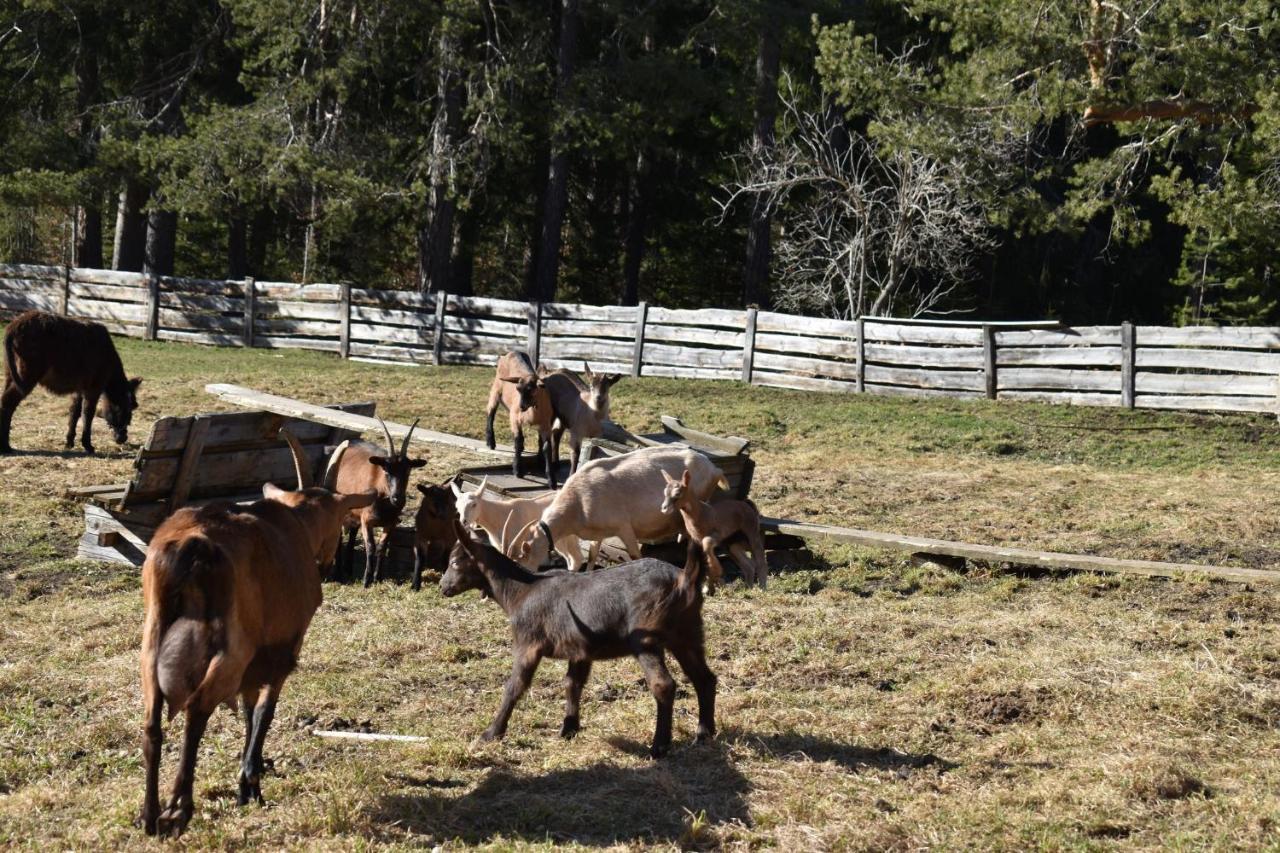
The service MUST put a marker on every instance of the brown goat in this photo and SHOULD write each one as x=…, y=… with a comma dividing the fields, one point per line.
x=360, y=467
x=522, y=389
x=433, y=533
x=642, y=608
x=726, y=523
x=229, y=593
x=66, y=357
x=581, y=406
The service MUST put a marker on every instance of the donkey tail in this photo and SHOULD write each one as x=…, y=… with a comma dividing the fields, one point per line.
x=11, y=365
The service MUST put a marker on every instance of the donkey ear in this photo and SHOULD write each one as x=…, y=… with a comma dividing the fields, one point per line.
x=135, y=382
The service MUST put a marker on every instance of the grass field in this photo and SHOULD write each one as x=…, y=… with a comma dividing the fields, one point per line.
x=864, y=703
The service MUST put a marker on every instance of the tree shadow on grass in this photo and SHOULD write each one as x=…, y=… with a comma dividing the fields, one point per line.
x=607, y=803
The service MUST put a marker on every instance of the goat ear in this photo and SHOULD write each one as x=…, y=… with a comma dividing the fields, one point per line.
x=417, y=463
x=272, y=492
x=423, y=489
x=380, y=461
x=612, y=378
x=667, y=476
x=464, y=538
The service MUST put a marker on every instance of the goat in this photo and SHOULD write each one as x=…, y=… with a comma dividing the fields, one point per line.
x=229, y=593
x=497, y=515
x=642, y=608
x=360, y=468
x=722, y=522
x=66, y=356
x=619, y=496
x=433, y=535
x=519, y=387
x=581, y=407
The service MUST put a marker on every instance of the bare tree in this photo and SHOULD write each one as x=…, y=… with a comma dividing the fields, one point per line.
x=861, y=231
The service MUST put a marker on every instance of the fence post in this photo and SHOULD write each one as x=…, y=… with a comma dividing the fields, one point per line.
x=1128, y=349
x=749, y=345
x=344, y=318
x=861, y=385
x=637, y=351
x=437, y=343
x=153, y=306
x=250, y=309
x=534, y=313
x=989, y=359
x=66, y=292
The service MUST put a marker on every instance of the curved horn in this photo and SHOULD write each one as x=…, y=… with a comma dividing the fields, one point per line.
x=335, y=461
x=525, y=531
x=300, y=466
x=404, y=445
x=391, y=445
x=502, y=542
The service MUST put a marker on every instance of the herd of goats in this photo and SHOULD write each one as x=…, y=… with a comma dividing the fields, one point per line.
x=230, y=589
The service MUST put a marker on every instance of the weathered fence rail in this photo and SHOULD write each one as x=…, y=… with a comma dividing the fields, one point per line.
x=1198, y=368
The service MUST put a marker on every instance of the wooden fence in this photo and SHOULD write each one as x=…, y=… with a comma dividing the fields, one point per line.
x=1198, y=368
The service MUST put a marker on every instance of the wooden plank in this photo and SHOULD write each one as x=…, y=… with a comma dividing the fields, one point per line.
x=356, y=423
x=171, y=319
x=120, y=312
x=291, y=309
x=1221, y=384
x=726, y=338
x=801, y=383
x=374, y=315
x=1066, y=379
x=229, y=288
x=598, y=365
x=1094, y=356
x=922, y=334
x=485, y=307
x=190, y=462
x=285, y=342
x=286, y=290
x=88, y=276
x=412, y=301
x=368, y=736
x=468, y=357
x=250, y=309
x=676, y=372
x=199, y=302
x=479, y=326
x=65, y=301
x=691, y=356
x=1014, y=556
x=221, y=474
x=954, y=380
x=1233, y=361
x=863, y=355
x=999, y=324
x=344, y=321
x=442, y=303
x=496, y=346
x=239, y=430
x=214, y=339
x=534, y=332
x=807, y=366
x=108, y=292
x=280, y=326
x=1204, y=336
x=1073, y=398
x=698, y=317
x=23, y=301
x=1205, y=403
x=587, y=328
x=846, y=348
x=621, y=314
x=794, y=324
x=908, y=391
x=637, y=347
x=749, y=345
x=1126, y=364
x=587, y=349
x=1076, y=336
x=924, y=356
x=729, y=445
x=52, y=273
x=391, y=354
x=423, y=335
x=989, y=359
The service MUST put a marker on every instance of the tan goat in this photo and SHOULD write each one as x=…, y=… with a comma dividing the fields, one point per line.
x=502, y=518
x=361, y=467
x=725, y=522
x=581, y=406
x=229, y=593
x=521, y=388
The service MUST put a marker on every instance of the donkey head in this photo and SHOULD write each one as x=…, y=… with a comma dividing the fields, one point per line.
x=118, y=403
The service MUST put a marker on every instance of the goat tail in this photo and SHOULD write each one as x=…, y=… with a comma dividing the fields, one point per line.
x=191, y=592
x=11, y=365
x=694, y=573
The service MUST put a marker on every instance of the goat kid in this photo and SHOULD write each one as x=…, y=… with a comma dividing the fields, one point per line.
x=521, y=388
x=724, y=522
x=433, y=536
x=229, y=593
x=497, y=516
x=361, y=467
x=581, y=406
x=642, y=608
x=66, y=356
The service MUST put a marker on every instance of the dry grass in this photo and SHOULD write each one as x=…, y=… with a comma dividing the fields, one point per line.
x=864, y=703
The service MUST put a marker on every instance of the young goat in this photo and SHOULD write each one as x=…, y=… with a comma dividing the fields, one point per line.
x=581, y=407
x=620, y=496
x=722, y=522
x=66, y=357
x=498, y=516
x=360, y=468
x=642, y=608
x=521, y=389
x=229, y=594
x=433, y=535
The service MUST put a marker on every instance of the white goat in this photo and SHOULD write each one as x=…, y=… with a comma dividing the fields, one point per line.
x=620, y=496
x=501, y=516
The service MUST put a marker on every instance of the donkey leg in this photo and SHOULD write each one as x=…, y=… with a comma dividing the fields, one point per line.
x=251, y=765
x=86, y=434
x=693, y=660
x=522, y=669
x=174, y=819
x=9, y=400
x=77, y=402
x=663, y=688
x=574, y=680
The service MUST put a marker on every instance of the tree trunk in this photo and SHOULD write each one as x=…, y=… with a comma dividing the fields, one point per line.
x=261, y=234
x=237, y=246
x=464, y=254
x=755, y=274
x=162, y=236
x=130, y=250
x=637, y=222
x=88, y=249
x=556, y=198
x=435, y=235
x=89, y=240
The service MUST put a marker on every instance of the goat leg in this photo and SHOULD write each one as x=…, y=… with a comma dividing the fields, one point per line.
x=384, y=548
x=152, y=740
x=251, y=765
x=517, y=464
x=575, y=453
x=663, y=688
x=544, y=445
x=417, y=567
x=174, y=819
x=748, y=565
x=693, y=661
x=522, y=669
x=366, y=536
x=77, y=401
x=574, y=680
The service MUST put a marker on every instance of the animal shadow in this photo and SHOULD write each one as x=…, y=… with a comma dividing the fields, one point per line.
x=851, y=757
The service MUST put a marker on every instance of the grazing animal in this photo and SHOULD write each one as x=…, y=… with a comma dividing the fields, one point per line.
x=581, y=407
x=642, y=608
x=620, y=496
x=433, y=535
x=519, y=387
x=721, y=523
x=498, y=516
x=229, y=593
x=361, y=467
x=66, y=356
